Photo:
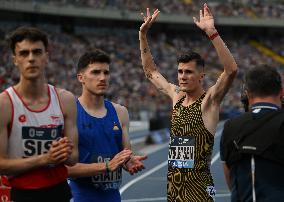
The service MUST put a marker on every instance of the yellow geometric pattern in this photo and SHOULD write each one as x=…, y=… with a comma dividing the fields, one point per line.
x=191, y=184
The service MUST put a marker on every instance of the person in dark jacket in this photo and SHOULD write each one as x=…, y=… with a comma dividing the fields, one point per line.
x=252, y=145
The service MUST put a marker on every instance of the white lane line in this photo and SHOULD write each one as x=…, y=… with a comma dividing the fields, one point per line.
x=164, y=198
x=215, y=158
x=130, y=183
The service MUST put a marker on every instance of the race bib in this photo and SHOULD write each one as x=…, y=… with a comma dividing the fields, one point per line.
x=105, y=181
x=181, y=152
x=37, y=140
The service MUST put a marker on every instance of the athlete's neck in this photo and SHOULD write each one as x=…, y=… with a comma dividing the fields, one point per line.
x=32, y=89
x=191, y=97
x=93, y=104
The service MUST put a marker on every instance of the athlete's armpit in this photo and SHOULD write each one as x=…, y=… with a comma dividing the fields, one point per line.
x=177, y=89
x=163, y=90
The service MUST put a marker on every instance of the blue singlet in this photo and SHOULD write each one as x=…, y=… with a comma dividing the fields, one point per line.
x=99, y=139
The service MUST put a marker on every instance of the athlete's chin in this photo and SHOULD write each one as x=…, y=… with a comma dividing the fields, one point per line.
x=183, y=89
x=100, y=93
x=32, y=76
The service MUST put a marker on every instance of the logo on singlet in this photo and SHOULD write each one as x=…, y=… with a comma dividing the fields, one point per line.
x=22, y=118
x=37, y=140
x=105, y=181
x=115, y=126
x=211, y=191
x=55, y=119
x=181, y=152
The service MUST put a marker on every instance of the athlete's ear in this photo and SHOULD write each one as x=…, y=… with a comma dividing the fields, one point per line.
x=202, y=75
x=47, y=57
x=15, y=60
x=80, y=77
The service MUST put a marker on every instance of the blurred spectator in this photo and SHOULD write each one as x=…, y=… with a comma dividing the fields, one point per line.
x=238, y=8
x=128, y=85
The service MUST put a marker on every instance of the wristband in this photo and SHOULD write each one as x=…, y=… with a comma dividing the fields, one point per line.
x=107, y=167
x=213, y=36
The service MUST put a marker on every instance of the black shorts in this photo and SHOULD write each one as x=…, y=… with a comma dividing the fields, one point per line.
x=57, y=193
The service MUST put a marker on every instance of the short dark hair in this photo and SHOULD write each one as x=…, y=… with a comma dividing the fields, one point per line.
x=93, y=56
x=263, y=80
x=27, y=33
x=189, y=56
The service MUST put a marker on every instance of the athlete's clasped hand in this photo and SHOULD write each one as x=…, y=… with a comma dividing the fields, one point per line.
x=59, y=151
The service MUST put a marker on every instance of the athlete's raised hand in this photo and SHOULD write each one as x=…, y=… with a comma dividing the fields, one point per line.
x=206, y=20
x=148, y=20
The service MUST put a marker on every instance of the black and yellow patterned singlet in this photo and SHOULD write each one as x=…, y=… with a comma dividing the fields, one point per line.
x=191, y=144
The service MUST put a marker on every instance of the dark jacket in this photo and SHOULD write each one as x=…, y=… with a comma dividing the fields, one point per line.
x=263, y=137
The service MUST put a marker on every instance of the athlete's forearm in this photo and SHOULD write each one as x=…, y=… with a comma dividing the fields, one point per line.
x=147, y=60
x=224, y=54
x=18, y=166
x=86, y=170
x=72, y=160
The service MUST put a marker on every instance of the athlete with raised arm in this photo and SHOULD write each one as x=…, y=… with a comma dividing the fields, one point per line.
x=195, y=112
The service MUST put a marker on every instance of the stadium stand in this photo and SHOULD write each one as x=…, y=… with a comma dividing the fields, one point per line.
x=129, y=86
x=245, y=8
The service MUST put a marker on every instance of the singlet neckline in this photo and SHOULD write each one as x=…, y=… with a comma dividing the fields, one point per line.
x=196, y=101
x=98, y=118
x=32, y=110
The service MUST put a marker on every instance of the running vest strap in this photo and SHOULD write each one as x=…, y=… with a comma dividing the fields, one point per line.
x=31, y=134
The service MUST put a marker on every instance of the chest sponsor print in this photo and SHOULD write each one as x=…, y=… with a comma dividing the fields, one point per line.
x=37, y=140
x=181, y=152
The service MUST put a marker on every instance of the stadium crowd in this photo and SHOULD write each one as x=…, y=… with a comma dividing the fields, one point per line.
x=128, y=84
x=237, y=8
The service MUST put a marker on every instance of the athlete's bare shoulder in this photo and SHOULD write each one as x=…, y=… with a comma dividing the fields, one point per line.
x=120, y=109
x=64, y=95
x=67, y=99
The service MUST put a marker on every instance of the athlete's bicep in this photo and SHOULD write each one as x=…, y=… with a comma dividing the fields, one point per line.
x=123, y=117
x=5, y=121
x=125, y=129
x=219, y=90
x=3, y=137
x=70, y=124
x=161, y=83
